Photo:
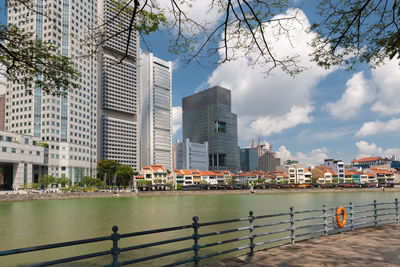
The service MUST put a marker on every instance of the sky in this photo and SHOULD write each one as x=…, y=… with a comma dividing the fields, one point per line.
x=315, y=115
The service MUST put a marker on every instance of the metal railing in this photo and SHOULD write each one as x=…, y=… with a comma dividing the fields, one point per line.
x=263, y=231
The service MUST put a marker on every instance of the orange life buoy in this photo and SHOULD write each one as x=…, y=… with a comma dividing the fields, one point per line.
x=341, y=222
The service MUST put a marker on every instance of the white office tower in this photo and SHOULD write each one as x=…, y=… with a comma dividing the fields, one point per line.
x=156, y=111
x=66, y=123
x=191, y=156
x=118, y=102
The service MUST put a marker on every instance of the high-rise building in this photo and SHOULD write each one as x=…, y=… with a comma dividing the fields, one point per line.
x=268, y=162
x=2, y=111
x=2, y=104
x=156, y=112
x=118, y=105
x=207, y=117
x=248, y=159
x=173, y=156
x=191, y=156
x=66, y=123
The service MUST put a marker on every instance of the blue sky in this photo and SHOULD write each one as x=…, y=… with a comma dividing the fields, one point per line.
x=336, y=113
x=317, y=114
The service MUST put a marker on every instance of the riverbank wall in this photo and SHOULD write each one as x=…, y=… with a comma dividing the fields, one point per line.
x=19, y=196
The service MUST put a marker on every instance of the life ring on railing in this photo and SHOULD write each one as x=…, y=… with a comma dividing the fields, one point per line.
x=341, y=222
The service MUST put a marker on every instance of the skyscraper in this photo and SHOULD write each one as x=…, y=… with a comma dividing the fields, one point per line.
x=207, y=117
x=156, y=111
x=248, y=159
x=118, y=105
x=66, y=123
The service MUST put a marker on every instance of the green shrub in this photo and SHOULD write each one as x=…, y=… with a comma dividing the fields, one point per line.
x=46, y=180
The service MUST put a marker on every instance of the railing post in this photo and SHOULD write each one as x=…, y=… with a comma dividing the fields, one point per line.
x=292, y=226
x=324, y=209
x=351, y=216
x=396, y=203
x=196, y=238
x=115, y=249
x=251, y=229
x=375, y=214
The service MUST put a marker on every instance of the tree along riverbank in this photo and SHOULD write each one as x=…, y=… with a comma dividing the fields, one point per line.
x=19, y=196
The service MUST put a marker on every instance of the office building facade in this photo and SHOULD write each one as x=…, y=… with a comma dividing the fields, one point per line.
x=268, y=162
x=66, y=123
x=2, y=111
x=207, y=117
x=191, y=156
x=23, y=159
x=118, y=102
x=156, y=111
x=248, y=159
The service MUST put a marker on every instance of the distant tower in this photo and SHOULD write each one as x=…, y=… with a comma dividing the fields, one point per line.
x=259, y=147
x=253, y=144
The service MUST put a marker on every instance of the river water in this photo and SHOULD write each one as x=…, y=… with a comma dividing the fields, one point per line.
x=30, y=223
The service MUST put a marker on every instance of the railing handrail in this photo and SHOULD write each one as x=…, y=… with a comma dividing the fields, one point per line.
x=328, y=226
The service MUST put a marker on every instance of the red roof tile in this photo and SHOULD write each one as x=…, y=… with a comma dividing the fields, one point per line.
x=367, y=159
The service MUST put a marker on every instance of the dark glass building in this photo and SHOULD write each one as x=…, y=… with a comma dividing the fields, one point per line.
x=207, y=117
x=248, y=159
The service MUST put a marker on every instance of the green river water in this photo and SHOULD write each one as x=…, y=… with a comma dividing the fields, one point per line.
x=30, y=223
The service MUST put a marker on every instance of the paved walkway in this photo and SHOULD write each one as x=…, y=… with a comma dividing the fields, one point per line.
x=363, y=247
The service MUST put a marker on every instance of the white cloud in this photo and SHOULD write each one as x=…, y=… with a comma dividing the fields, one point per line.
x=358, y=92
x=379, y=127
x=176, y=119
x=175, y=64
x=315, y=157
x=387, y=79
x=201, y=11
x=268, y=125
x=284, y=154
x=367, y=150
x=278, y=102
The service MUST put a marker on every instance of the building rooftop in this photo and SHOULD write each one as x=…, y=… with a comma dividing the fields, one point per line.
x=367, y=159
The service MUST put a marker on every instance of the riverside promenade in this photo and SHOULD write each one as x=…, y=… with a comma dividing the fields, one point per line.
x=364, y=247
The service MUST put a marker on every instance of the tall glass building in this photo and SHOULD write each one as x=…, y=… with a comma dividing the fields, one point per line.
x=156, y=111
x=207, y=117
x=248, y=159
x=66, y=123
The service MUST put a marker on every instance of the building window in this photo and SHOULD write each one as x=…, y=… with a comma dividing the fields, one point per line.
x=220, y=127
x=221, y=160
x=4, y=149
x=13, y=150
